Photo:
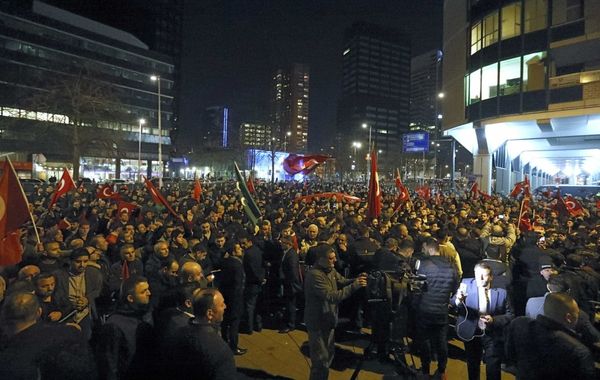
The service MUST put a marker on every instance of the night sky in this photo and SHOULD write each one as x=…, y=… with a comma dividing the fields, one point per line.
x=232, y=47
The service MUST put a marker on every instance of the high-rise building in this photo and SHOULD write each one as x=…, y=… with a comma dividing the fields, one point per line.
x=289, y=105
x=375, y=90
x=522, y=85
x=425, y=85
x=45, y=50
x=255, y=135
x=215, y=127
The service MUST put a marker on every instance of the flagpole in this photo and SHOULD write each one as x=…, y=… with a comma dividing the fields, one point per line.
x=37, y=234
x=521, y=213
x=6, y=155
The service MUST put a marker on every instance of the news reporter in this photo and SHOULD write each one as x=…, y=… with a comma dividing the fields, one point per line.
x=324, y=289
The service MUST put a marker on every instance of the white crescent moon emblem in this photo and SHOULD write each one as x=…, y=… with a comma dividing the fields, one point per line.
x=570, y=204
x=61, y=184
x=105, y=192
x=2, y=208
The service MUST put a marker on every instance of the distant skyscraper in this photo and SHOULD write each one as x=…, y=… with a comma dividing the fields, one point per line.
x=215, y=127
x=425, y=85
x=255, y=135
x=375, y=88
x=289, y=101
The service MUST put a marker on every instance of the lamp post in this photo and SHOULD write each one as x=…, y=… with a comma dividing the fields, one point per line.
x=141, y=122
x=356, y=145
x=287, y=135
x=156, y=78
x=364, y=126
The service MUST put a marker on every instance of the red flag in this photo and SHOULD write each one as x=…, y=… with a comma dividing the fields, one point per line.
x=126, y=206
x=484, y=195
x=158, y=197
x=294, y=164
x=598, y=204
x=124, y=271
x=424, y=192
x=521, y=187
x=474, y=190
x=517, y=189
x=573, y=206
x=374, y=197
x=106, y=191
x=250, y=183
x=65, y=185
x=197, y=190
x=526, y=187
x=403, y=194
x=524, y=223
x=14, y=211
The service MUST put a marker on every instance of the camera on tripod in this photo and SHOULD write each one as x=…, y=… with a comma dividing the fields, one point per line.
x=393, y=286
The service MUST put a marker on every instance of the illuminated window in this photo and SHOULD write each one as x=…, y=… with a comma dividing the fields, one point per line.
x=536, y=13
x=490, y=29
x=534, y=71
x=511, y=20
x=476, y=37
x=475, y=87
x=489, y=81
x=510, y=76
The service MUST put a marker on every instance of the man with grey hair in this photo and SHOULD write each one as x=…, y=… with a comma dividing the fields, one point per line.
x=324, y=289
x=547, y=347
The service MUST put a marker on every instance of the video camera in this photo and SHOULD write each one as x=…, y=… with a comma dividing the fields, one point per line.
x=393, y=286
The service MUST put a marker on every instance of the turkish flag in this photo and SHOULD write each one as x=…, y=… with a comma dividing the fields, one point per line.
x=474, y=190
x=250, y=184
x=374, y=197
x=424, y=192
x=294, y=164
x=197, y=190
x=598, y=204
x=573, y=206
x=14, y=211
x=524, y=215
x=129, y=207
x=106, y=191
x=159, y=198
x=521, y=187
x=65, y=185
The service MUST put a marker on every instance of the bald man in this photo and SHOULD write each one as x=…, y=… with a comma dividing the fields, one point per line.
x=548, y=347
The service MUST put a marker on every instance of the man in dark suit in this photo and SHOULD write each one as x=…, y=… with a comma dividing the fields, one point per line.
x=254, y=268
x=292, y=286
x=231, y=286
x=483, y=313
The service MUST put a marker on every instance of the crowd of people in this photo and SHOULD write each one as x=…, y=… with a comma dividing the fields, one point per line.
x=112, y=292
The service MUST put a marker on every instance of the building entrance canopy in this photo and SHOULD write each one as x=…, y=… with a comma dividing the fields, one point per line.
x=556, y=143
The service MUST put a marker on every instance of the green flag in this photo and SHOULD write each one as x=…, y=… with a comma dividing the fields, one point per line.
x=250, y=206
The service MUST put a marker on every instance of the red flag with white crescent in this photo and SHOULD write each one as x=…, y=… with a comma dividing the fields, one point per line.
x=126, y=206
x=524, y=223
x=14, y=211
x=250, y=183
x=105, y=191
x=63, y=186
x=158, y=197
x=573, y=206
x=424, y=192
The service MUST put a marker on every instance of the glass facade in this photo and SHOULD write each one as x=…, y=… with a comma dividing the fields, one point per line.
x=536, y=15
x=511, y=20
x=488, y=82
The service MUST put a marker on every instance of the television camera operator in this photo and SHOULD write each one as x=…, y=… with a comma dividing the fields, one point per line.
x=390, y=316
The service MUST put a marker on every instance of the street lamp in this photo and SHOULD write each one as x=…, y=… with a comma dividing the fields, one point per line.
x=356, y=145
x=365, y=125
x=141, y=122
x=287, y=134
x=156, y=78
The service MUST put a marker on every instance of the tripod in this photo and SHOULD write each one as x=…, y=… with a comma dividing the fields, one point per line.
x=397, y=346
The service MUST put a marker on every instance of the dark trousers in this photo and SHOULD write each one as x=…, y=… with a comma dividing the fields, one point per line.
x=230, y=327
x=289, y=318
x=251, y=296
x=433, y=337
x=488, y=348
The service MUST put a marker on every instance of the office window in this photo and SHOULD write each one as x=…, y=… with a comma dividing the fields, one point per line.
x=511, y=20
x=536, y=13
x=534, y=71
x=476, y=37
x=489, y=81
x=490, y=29
x=475, y=87
x=510, y=76
x=564, y=11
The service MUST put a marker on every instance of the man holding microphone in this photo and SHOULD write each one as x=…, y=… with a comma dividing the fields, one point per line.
x=324, y=289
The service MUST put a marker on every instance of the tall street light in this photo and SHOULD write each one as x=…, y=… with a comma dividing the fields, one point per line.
x=156, y=78
x=141, y=122
x=356, y=145
x=364, y=126
x=288, y=134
